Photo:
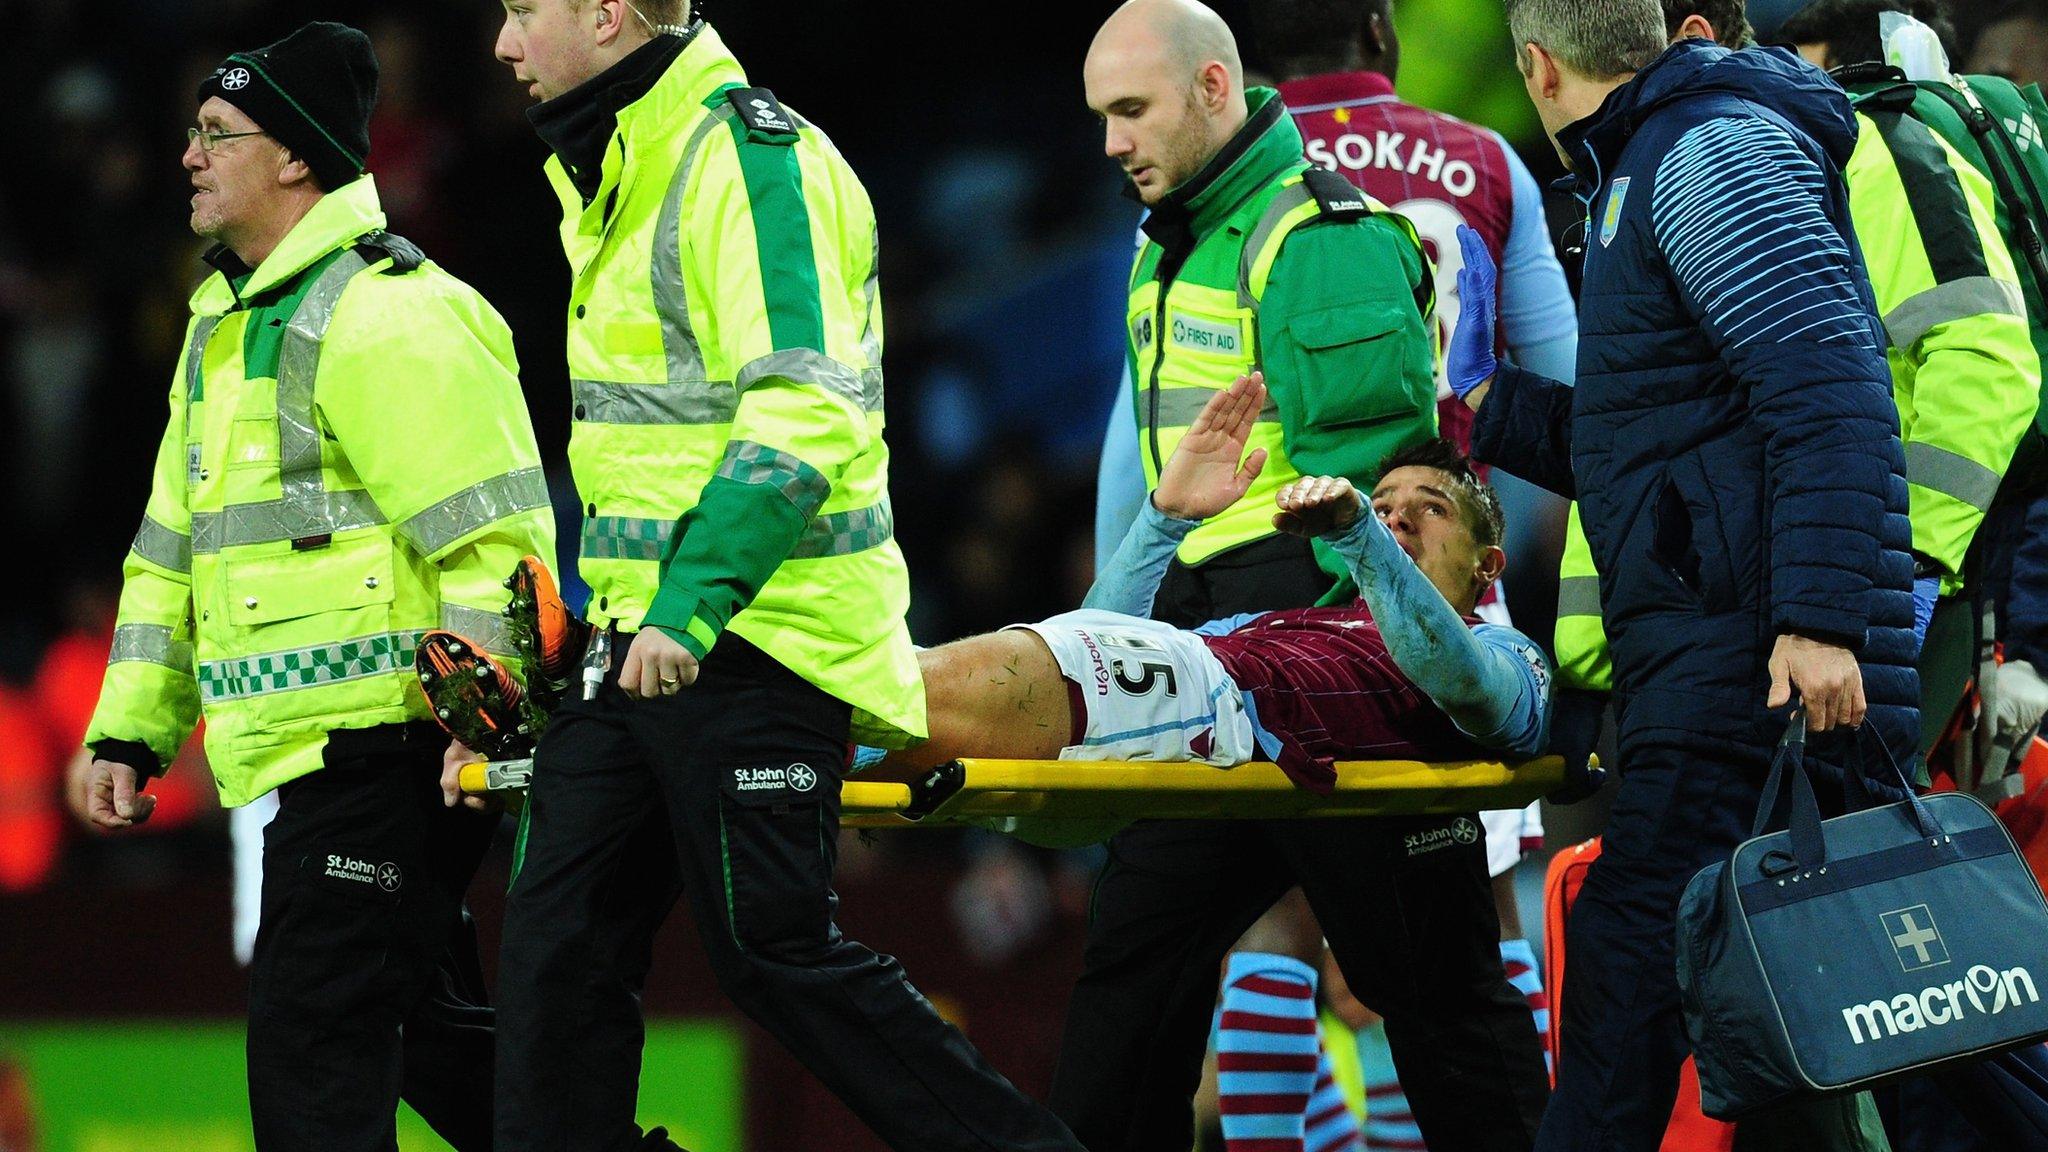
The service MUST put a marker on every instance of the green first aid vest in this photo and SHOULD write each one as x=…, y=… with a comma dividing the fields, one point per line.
x=1194, y=334
x=305, y=525
x=725, y=319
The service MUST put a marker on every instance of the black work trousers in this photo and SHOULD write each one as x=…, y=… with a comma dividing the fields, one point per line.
x=729, y=791
x=1677, y=810
x=1408, y=909
x=1405, y=903
x=365, y=987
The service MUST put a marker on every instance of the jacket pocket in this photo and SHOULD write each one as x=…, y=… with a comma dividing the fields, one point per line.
x=344, y=576
x=252, y=441
x=777, y=826
x=1349, y=364
x=1717, y=546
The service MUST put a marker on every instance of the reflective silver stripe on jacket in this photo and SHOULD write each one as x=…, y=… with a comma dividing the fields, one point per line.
x=282, y=520
x=845, y=533
x=195, y=357
x=1951, y=475
x=807, y=366
x=1290, y=197
x=306, y=508
x=151, y=644
x=1578, y=596
x=803, y=486
x=671, y=300
x=163, y=547
x=475, y=507
x=624, y=538
x=1178, y=407
x=364, y=656
x=675, y=402
x=478, y=626
x=833, y=534
x=870, y=332
x=298, y=429
x=1955, y=300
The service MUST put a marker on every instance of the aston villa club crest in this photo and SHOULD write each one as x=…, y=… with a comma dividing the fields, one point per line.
x=1610, y=220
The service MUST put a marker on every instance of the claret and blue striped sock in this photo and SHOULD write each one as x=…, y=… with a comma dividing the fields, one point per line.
x=1266, y=1052
x=1519, y=958
x=1389, y=1123
x=1329, y=1125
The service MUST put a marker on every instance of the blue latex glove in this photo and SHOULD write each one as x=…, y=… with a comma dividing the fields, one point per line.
x=1925, y=590
x=1469, y=362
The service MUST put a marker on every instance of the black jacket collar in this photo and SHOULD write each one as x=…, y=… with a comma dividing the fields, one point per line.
x=578, y=125
x=1171, y=224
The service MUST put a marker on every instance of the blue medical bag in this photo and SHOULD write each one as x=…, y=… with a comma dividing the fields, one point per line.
x=1840, y=953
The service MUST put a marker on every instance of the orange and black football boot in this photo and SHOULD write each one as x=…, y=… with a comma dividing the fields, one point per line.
x=473, y=696
x=548, y=639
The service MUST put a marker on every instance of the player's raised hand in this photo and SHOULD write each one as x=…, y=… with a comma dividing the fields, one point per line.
x=1316, y=505
x=1204, y=475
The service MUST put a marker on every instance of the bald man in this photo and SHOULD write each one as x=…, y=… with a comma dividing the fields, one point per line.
x=1254, y=259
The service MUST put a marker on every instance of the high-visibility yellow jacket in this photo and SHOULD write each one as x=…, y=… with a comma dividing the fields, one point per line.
x=348, y=463
x=1965, y=375
x=725, y=344
x=1263, y=261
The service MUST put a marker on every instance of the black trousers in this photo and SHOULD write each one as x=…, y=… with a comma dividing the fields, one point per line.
x=728, y=791
x=1676, y=811
x=1408, y=909
x=365, y=987
x=1266, y=575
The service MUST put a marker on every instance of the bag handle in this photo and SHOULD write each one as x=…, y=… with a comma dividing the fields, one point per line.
x=1788, y=772
x=1861, y=795
x=1803, y=822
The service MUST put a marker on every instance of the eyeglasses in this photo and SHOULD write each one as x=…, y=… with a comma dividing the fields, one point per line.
x=209, y=139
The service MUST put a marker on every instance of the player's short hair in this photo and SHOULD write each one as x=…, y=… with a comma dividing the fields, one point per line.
x=1476, y=498
x=1597, y=39
x=1731, y=24
x=1849, y=27
x=1304, y=37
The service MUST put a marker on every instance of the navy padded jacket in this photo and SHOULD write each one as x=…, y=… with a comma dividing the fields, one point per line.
x=1732, y=440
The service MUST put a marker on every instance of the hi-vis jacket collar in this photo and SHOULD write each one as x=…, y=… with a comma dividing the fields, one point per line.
x=705, y=65
x=340, y=216
x=1266, y=145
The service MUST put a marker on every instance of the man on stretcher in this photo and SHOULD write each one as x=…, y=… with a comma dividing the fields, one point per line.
x=1404, y=672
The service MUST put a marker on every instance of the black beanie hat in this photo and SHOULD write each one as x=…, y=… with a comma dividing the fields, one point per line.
x=312, y=92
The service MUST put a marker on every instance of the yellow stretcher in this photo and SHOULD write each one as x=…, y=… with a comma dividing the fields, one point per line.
x=1074, y=801
x=978, y=791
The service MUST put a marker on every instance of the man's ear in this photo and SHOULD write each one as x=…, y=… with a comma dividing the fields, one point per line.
x=294, y=171
x=1213, y=87
x=1492, y=562
x=608, y=19
x=1697, y=27
x=1376, y=34
x=1546, y=76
